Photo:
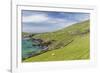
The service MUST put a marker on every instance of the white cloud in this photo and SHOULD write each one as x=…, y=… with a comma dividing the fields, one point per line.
x=41, y=17
x=35, y=18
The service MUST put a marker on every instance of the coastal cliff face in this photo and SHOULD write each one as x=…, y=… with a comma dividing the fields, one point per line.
x=76, y=37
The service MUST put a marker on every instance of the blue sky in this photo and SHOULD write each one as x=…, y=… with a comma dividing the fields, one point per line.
x=44, y=21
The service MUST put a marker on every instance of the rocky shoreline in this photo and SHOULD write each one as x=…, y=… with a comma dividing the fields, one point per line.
x=36, y=42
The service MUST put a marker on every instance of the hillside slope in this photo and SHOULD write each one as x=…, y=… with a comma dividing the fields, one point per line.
x=71, y=43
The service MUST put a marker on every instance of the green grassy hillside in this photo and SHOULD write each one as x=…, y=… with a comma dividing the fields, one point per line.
x=71, y=43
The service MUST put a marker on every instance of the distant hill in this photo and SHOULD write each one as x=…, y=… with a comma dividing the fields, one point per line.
x=70, y=43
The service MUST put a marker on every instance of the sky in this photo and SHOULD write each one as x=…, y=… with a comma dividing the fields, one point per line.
x=48, y=21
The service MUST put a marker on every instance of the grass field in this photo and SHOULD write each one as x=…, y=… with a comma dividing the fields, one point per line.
x=71, y=43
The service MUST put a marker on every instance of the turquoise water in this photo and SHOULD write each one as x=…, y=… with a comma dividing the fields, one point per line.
x=28, y=49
